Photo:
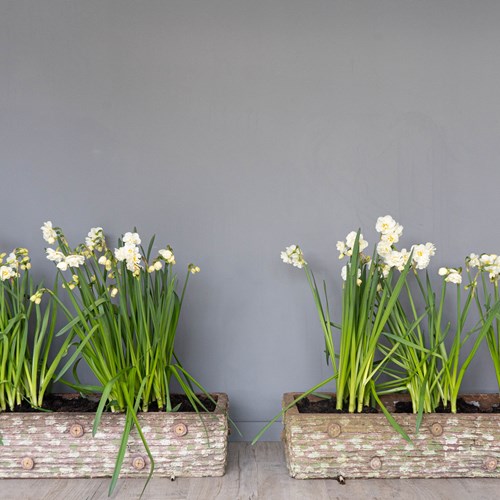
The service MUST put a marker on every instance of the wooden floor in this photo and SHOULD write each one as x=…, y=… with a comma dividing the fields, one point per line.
x=253, y=472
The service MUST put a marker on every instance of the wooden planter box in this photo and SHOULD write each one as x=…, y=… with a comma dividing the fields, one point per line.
x=320, y=445
x=50, y=445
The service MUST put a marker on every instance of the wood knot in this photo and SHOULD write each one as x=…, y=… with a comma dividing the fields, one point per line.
x=76, y=430
x=138, y=462
x=180, y=429
x=490, y=463
x=436, y=429
x=27, y=463
x=334, y=430
x=376, y=463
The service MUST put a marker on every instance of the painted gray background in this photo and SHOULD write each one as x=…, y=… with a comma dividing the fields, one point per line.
x=233, y=128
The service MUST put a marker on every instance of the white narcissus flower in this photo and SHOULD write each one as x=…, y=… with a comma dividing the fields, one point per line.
x=168, y=255
x=395, y=259
x=75, y=260
x=454, y=277
x=384, y=248
x=6, y=272
x=113, y=291
x=293, y=255
x=157, y=265
x=390, y=238
x=473, y=260
x=341, y=247
x=131, y=239
x=422, y=254
x=343, y=274
x=48, y=232
x=350, y=240
x=54, y=255
x=95, y=238
x=385, y=225
x=102, y=260
x=451, y=275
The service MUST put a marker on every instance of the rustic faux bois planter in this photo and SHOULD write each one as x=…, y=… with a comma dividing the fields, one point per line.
x=50, y=445
x=320, y=445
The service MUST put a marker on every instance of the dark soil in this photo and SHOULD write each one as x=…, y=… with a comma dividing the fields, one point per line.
x=305, y=405
x=462, y=407
x=70, y=403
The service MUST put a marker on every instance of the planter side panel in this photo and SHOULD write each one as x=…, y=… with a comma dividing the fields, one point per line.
x=355, y=446
x=182, y=444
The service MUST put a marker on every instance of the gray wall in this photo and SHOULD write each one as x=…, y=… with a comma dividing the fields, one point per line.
x=233, y=128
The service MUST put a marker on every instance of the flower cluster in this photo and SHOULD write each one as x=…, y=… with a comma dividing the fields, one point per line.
x=49, y=232
x=486, y=262
x=451, y=275
x=293, y=255
x=130, y=253
x=95, y=239
x=345, y=247
x=17, y=260
x=390, y=232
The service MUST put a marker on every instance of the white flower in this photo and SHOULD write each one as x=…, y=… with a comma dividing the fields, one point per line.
x=343, y=274
x=6, y=272
x=350, y=240
x=63, y=265
x=454, y=277
x=168, y=255
x=95, y=238
x=386, y=225
x=341, y=247
x=157, y=265
x=293, y=255
x=395, y=259
x=131, y=239
x=390, y=238
x=54, y=255
x=431, y=248
x=49, y=234
x=451, y=275
x=384, y=248
x=151, y=269
x=385, y=270
x=102, y=260
x=422, y=254
x=113, y=291
x=473, y=260
x=75, y=260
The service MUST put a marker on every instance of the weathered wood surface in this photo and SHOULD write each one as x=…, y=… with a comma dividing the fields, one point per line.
x=366, y=446
x=49, y=444
x=253, y=472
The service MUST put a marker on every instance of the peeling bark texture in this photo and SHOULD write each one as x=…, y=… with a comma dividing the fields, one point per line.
x=319, y=445
x=51, y=445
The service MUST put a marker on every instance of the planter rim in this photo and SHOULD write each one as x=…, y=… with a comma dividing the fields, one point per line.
x=221, y=407
x=485, y=400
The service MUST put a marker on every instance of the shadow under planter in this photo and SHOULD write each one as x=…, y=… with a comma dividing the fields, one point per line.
x=320, y=445
x=51, y=445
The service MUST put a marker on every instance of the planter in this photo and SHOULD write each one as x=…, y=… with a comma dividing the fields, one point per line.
x=320, y=445
x=50, y=445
